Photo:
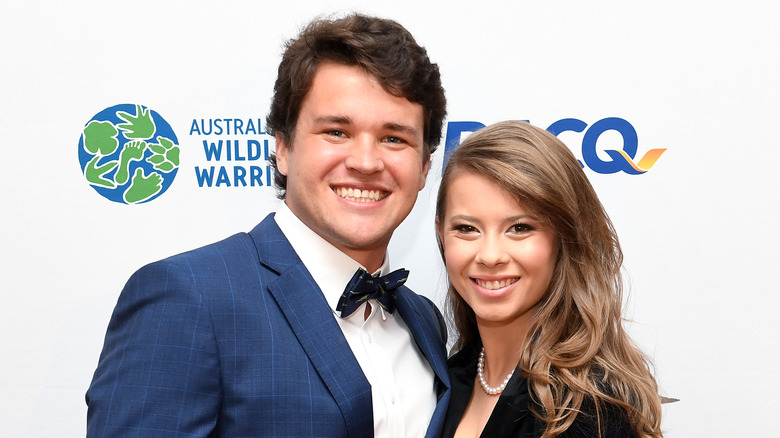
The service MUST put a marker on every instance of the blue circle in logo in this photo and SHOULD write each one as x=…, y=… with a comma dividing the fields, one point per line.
x=129, y=154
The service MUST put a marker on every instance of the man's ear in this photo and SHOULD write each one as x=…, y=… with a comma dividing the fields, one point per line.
x=426, y=167
x=281, y=154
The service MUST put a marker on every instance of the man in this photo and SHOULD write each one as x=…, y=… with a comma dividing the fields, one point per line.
x=253, y=336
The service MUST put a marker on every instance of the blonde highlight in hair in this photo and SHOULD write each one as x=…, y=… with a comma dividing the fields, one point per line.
x=576, y=347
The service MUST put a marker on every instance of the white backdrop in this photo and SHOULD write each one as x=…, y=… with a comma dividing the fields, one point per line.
x=699, y=229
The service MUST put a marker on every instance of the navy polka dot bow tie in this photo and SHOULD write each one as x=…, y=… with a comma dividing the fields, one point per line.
x=363, y=287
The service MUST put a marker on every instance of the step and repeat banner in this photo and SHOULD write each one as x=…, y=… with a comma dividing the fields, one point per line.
x=134, y=131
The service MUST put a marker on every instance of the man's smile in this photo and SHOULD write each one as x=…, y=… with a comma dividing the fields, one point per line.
x=358, y=195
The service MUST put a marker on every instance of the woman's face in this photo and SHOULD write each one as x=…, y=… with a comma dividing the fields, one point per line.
x=500, y=257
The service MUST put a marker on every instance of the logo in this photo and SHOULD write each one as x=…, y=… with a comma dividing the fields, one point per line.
x=619, y=159
x=129, y=154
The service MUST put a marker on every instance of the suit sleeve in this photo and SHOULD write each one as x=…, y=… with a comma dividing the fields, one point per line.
x=158, y=373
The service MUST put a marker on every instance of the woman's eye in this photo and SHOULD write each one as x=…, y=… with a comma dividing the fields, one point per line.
x=464, y=228
x=521, y=228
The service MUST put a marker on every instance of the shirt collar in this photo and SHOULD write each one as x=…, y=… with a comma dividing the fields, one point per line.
x=330, y=268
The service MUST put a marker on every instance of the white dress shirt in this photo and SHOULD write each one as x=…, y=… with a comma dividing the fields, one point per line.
x=402, y=382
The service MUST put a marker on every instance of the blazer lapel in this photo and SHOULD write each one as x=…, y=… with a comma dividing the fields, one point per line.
x=424, y=323
x=313, y=323
x=428, y=330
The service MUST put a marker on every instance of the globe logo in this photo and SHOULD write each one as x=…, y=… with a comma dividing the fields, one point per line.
x=129, y=154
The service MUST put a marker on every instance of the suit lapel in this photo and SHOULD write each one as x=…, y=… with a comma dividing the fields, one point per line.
x=313, y=323
x=423, y=322
x=426, y=325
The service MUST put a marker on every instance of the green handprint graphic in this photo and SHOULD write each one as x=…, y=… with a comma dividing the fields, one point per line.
x=141, y=126
x=143, y=187
x=166, y=155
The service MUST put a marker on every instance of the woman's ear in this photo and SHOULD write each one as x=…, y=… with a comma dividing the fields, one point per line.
x=440, y=240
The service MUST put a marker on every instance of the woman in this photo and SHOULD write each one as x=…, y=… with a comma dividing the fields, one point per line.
x=534, y=268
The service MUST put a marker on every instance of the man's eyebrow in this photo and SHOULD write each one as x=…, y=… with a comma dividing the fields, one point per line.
x=399, y=127
x=325, y=120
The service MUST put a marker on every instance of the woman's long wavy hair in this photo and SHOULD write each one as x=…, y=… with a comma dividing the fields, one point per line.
x=576, y=347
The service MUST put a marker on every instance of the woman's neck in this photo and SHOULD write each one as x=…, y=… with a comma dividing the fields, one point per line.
x=503, y=347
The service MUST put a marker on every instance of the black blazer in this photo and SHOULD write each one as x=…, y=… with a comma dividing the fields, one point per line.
x=512, y=416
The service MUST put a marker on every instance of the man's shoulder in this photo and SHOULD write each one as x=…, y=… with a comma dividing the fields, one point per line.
x=200, y=266
x=237, y=246
x=416, y=298
x=239, y=251
x=232, y=266
x=427, y=309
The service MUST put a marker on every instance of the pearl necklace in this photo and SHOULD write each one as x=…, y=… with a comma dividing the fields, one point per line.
x=481, y=374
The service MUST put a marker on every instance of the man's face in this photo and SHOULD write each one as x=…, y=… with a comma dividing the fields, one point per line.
x=356, y=162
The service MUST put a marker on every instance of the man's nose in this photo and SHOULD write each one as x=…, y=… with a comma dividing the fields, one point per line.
x=365, y=155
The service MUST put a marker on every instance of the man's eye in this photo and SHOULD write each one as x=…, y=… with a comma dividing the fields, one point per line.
x=395, y=140
x=336, y=133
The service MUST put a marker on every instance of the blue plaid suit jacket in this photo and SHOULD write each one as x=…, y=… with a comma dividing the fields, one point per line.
x=236, y=340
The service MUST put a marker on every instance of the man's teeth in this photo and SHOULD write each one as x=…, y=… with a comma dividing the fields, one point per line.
x=495, y=284
x=360, y=195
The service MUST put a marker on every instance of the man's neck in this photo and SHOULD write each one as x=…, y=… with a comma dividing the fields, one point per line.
x=371, y=257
